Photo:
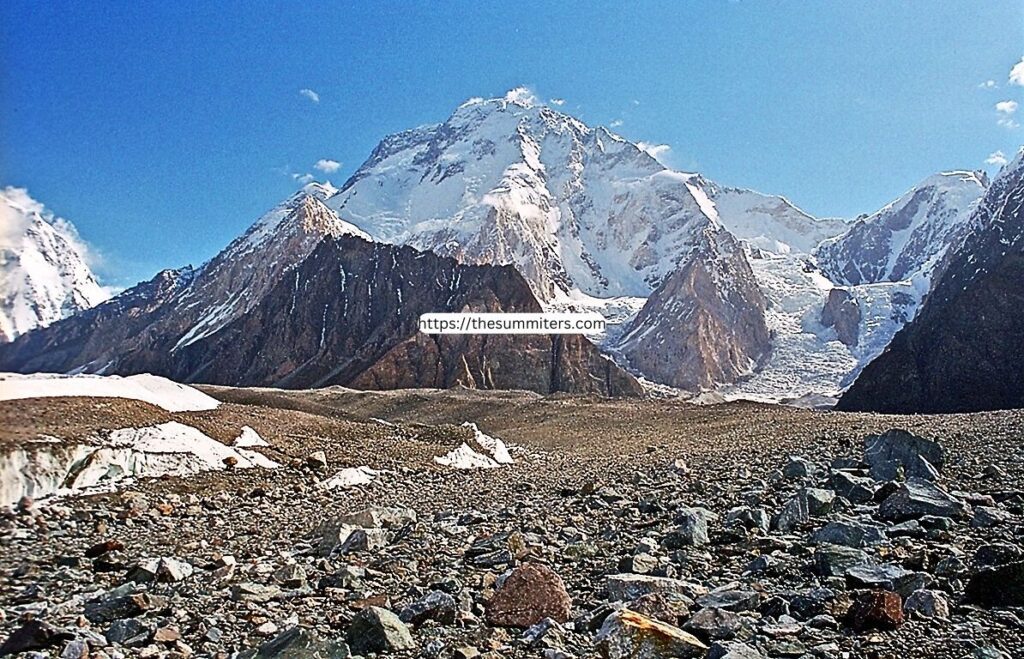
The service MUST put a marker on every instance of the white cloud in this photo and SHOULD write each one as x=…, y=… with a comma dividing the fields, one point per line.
x=988, y=84
x=521, y=96
x=557, y=101
x=327, y=166
x=996, y=158
x=1017, y=73
x=656, y=151
x=1006, y=107
x=304, y=178
x=1006, y=110
x=310, y=94
x=616, y=123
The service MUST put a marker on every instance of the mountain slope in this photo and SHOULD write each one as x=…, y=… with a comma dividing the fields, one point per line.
x=963, y=352
x=302, y=299
x=705, y=325
x=908, y=237
x=43, y=273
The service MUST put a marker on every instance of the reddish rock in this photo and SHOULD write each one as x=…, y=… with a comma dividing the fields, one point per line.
x=878, y=609
x=531, y=593
x=104, y=547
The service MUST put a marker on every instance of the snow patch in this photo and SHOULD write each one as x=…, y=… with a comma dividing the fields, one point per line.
x=152, y=389
x=351, y=477
x=488, y=453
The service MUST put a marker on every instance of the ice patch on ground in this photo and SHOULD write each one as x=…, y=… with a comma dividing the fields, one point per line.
x=152, y=389
x=350, y=477
x=249, y=438
x=168, y=449
x=487, y=453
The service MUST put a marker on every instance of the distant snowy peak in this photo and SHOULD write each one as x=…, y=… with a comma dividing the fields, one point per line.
x=907, y=238
x=509, y=180
x=43, y=273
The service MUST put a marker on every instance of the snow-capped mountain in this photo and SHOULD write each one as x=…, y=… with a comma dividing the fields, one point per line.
x=43, y=272
x=574, y=208
x=908, y=237
x=963, y=351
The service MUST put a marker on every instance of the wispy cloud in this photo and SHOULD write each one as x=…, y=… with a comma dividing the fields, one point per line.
x=304, y=178
x=557, y=101
x=996, y=158
x=988, y=84
x=1017, y=73
x=656, y=151
x=310, y=94
x=327, y=166
x=616, y=123
x=1006, y=110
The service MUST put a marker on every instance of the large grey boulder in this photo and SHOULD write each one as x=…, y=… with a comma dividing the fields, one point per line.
x=918, y=497
x=897, y=452
x=378, y=630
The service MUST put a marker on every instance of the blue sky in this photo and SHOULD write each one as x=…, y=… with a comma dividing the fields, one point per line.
x=162, y=131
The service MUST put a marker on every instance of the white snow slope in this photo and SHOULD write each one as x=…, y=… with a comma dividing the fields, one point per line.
x=43, y=272
x=152, y=389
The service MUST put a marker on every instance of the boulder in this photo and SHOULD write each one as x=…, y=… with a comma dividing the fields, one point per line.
x=918, y=497
x=529, y=594
x=876, y=609
x=435, y=605
x=375, y=629
x=628, y=587
x=629, y=635
x=714, y=624
x=835, y=560
x=855, y=489
x=927, y=604
x=33, y=635
x=997, y=586
x=898, y=451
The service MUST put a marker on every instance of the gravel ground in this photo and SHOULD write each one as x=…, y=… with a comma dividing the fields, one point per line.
x=599, y=488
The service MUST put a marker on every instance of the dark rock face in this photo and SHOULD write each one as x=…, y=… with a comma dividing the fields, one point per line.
x=842, y=313
x=347, y=314
x=963, y=352
x=705, y=325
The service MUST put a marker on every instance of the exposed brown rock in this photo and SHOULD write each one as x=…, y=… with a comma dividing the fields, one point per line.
x=877, y=609
x=705, y=324
x=531, y=593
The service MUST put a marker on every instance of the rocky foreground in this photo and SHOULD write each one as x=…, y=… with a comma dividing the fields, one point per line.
x=636, y=529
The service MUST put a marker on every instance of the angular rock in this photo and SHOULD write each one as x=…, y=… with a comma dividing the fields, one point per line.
x=897, y=452
x=885, y=577
x=692, y=529
x=299, y=643
x=797, y=467
x=379, y=517
x=628, y=587
x=33, y=635
x=666, y=607
x=819, y=501
x=918, y=497
x=529, y=594
x=714, y=624
x=835, y=560
x=375, y=629
x=997, y=586
x=877, y=609
x=927, y=604
x=435, y=605
x=848, y=534
x=733, y=650
x=121, y=602
x=997, y=553
x=730, y=600
x=628, y=635
x=855, y=489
